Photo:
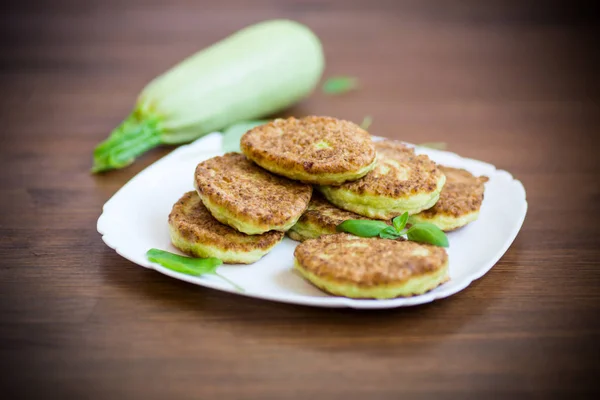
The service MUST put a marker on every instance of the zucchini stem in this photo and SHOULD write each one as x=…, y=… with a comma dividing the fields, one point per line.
x=131, y=138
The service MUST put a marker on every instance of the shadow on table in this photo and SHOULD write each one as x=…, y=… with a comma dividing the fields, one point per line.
x=254, y=320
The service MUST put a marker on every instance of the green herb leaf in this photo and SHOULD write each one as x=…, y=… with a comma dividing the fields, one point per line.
x=233, y=134
x=427, y=233
x=400, y=221
x=434, y=145
x=339, y=85
x=362, y=227
x=366, y=123
x=188, y=265
x=389, y=233
x=185, y=265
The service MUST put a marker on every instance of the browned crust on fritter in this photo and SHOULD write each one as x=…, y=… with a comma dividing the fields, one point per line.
x=249, y=192
x=367, y=261
x=462, y=194
x=423, y=175
x=290, y=144
x=190, y=218
x=325, y=215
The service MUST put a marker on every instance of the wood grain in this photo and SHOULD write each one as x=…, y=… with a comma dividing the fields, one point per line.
x=509, y=83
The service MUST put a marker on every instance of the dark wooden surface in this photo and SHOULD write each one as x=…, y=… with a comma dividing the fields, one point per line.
x=512, y=83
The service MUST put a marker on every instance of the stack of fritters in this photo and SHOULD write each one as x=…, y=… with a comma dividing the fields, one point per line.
x=240, y=211
x=244, y=203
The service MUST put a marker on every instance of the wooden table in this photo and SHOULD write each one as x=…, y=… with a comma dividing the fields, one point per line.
x=510, y=84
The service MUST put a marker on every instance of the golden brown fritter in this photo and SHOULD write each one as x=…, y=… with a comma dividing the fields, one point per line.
x=321, y=218
x=195, y=232
x=462, y=194
x=399, y=172
x=317, y=150
x=401, y=182
x=248, y=198
x=355, y=267
x=368, y=261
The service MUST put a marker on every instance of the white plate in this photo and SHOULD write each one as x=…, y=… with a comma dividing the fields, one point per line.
x=135, y=220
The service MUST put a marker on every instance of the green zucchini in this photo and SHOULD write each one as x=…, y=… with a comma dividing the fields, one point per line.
x=257, y=71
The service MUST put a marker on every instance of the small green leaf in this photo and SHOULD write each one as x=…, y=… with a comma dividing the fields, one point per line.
x=362, y=227
x=185, y=265
x=366, y=123
x=389, y=233
x=434, y=145
x=339, y=85
x=427, y=233
x=400, y=221
x=233, y=134
x=188, y=265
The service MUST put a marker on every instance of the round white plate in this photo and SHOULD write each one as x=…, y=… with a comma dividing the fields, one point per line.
x=135, y=220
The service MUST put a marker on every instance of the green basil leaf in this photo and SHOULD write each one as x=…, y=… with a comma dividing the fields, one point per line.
x=185, y=265
x=188, y=265
x=339, y=85
x=362, y=227
x=400, y=221
x=233, y=134
x=366, y=123
x=389, y=233
x=434, y=145
x=427, y=233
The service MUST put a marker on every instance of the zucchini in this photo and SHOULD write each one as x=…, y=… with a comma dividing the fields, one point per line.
x=257, y=71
